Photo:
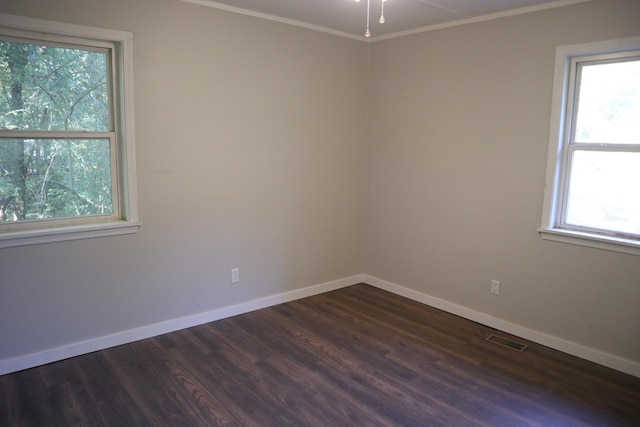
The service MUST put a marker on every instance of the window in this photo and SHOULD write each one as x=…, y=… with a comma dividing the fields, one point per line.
x=66, y=132
x=592, y=192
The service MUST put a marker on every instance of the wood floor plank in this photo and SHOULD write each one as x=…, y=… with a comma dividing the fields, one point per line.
x=238, y=390
x=27, y=399
x=307, y=381
x=357, y=356
x=194, y=395
x=108, y=397
x=154, y=395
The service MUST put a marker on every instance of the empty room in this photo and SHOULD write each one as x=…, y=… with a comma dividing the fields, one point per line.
x=287, y=212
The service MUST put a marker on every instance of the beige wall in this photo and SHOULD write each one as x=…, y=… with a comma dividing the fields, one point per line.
x=252, y=138
x=459, y=137
x=250, y=154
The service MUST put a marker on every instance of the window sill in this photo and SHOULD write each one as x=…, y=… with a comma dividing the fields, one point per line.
x=627, y=246
x=61, y=234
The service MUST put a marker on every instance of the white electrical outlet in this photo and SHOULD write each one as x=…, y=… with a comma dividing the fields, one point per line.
x=235, y=275
x=495, y=287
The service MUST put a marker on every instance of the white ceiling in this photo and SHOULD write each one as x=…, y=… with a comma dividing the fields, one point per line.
x=348, y=17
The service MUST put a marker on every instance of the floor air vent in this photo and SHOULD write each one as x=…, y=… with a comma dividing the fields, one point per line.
x=506, y=342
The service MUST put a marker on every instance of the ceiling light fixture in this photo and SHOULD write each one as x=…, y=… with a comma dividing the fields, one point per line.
x=367, y=33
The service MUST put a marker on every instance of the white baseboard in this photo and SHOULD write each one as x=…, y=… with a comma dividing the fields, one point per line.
x=583, y=352
x=95, y=344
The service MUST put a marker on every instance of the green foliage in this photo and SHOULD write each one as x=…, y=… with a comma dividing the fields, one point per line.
x=50, y=88
x=61, y=88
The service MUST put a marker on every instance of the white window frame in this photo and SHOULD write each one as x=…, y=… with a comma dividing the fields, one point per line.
x=558, y=157
x=125, y=220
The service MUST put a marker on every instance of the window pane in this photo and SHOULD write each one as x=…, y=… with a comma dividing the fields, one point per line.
x=604, y=191
x=47, y=178
x=609, y=103
x=52, y=88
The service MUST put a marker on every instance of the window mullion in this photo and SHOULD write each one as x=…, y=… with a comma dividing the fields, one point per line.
x=630, y=148
x=55, y=134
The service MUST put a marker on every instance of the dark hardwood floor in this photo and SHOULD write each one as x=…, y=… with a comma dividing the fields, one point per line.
x=358, y=356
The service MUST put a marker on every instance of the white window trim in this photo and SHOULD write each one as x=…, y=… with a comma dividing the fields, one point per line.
x=128, y=221
x=553, y=181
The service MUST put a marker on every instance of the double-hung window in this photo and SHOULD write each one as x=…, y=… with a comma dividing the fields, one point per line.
x=592, y=194
x=66, y=132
